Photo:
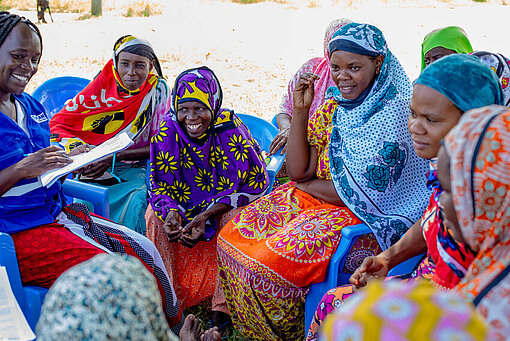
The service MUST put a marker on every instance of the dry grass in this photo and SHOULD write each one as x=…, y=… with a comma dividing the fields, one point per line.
x=128, y=8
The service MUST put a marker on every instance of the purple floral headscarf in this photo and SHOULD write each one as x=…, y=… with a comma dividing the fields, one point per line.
x=225, y=165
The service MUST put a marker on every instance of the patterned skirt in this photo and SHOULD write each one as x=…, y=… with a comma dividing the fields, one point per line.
x=270, y=253
x=45, y=252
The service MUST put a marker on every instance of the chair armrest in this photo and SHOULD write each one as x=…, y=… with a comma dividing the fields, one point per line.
x=9, y=261
x=95, y=194
x=406, y=266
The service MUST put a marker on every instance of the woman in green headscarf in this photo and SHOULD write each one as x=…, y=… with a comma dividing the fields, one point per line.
x=442, y=42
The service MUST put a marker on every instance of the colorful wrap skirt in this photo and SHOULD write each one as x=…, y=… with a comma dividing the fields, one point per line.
x=270, y=253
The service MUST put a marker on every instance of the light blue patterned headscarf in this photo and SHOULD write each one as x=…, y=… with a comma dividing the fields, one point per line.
x=374, y=167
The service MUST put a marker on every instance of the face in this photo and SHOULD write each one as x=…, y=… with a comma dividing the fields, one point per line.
x=133, y=69
x=194, y=118
x=19, y=59
x=432, y=117
x=353, y=73
x=445, y=200
x=435, y=54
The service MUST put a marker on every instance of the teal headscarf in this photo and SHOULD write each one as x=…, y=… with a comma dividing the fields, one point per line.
x=464, y=80
x=451, y=38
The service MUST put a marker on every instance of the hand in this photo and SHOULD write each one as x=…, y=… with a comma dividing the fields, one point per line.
x=82, y=148
x=96, y=169
x=280, y=141
x=304, y=92
x=42, y=161
x=372, y=267
x=194, y=231
x=172, y=226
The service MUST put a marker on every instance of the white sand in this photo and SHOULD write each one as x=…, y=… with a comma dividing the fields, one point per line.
x=255, y=49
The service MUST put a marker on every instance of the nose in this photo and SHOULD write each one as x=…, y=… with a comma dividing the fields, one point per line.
x=29, y=65
x=415, y=126
x=343, y=75
x=131, y=70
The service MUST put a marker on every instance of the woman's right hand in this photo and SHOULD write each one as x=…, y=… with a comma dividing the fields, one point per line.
x=304, y=92
x=42, y=161
x=372, y=267
x=172, y=226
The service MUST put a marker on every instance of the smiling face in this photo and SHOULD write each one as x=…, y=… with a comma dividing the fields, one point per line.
x=353, y=73
x=133, y=69
x=432, y=117
x=194, y=118
x=435, y=54
x=19, y=59
x=445, y=200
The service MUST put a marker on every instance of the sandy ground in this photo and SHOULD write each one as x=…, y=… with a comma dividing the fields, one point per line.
x=255, y=49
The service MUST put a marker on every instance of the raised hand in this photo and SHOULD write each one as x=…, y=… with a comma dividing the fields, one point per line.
x=304, y=92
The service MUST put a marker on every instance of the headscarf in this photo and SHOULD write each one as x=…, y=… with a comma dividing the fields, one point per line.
x=319, y=66
x=451, y=38
x=374, y=167
x=479, y=150
x=109, y=297
x=106, y=108
x=464, y=80
x=501, y=66
x=225, y=165
x=397, y=311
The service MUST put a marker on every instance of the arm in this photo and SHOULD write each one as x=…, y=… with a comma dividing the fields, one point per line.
x=98, y=168
x=411, y=244
x=281, y=139
x=32, y=166
x=301, y=157
x=321, y=189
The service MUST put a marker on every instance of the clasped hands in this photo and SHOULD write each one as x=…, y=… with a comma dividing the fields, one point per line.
x=372, y=267
x=188, y=235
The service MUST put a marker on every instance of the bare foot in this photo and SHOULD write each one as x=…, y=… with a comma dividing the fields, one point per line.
x=191, y=329
x=211, y=335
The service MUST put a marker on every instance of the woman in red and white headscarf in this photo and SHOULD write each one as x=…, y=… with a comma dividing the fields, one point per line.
x=476, y=205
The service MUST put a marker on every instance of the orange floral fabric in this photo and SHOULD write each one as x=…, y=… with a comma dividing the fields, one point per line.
x=479, y=150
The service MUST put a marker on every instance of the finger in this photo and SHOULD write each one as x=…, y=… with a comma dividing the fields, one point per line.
x=367, y=263
x=284, y=150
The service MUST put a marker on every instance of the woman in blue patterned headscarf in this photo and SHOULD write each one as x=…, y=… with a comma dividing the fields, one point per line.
x=374, y=167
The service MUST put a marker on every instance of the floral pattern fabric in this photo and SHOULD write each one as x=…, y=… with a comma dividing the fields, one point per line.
x=277, y=246
x=109, y=297
x=479, y=151
x=374, y=167
x=225, y=165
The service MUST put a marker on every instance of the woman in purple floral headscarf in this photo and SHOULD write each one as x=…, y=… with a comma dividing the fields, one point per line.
x=204, y=162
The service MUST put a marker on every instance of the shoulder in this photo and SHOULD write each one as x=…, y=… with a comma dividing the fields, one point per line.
x=31, y=105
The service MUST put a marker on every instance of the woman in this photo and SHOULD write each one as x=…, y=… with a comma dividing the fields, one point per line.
x=75, y=310
x=474, y=168
x=48, y=236
x=401, y=311
x=318, y=66
x=443, y=42
x=126, y=96
x=442, y=93
x=501, y=65
x=276, y=247
x=204, y=162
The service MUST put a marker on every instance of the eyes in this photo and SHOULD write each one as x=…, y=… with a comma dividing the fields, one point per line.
x=139, y=66
x=427, y=118
x=197, y=109
x=19, y=57
x=335, y=68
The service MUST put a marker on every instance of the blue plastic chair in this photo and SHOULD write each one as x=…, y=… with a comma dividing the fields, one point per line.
x=30, y=298
x=264, y=132
x=274, y=121
x=54, y=93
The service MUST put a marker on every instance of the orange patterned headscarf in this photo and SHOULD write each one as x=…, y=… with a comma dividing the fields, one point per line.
x=479, y=150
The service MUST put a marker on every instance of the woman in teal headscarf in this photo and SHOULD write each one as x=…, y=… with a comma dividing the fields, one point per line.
x=442, y=42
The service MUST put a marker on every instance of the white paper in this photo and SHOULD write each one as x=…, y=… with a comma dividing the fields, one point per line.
x=13, y=325
x=106, y=148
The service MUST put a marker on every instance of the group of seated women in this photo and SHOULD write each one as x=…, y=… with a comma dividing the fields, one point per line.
x=363, y=145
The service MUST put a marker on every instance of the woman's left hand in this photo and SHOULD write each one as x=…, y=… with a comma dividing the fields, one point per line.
x=193, y=232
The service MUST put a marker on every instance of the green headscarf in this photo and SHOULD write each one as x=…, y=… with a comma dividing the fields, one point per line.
x=464, y=80
x=451, y=38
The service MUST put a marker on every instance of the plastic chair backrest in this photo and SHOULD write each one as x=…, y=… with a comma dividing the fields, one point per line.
x=263, y=131
x=54, y=93
x=9, y=261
